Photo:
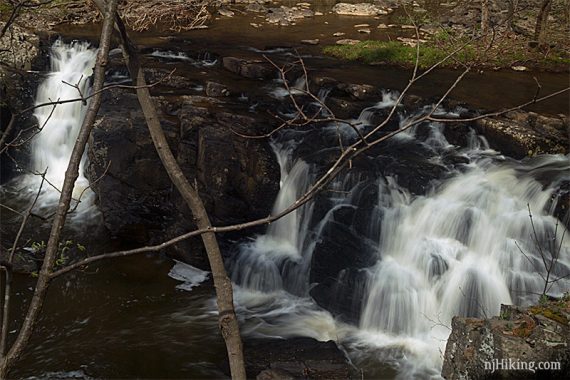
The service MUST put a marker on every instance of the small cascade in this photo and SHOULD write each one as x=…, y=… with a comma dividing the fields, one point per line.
x=274, y=260
x=71, y=66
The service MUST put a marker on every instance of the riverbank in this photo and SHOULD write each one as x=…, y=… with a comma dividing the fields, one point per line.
x=379, y=33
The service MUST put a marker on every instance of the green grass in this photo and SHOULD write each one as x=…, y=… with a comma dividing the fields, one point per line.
x=433, y=51
x=393, y=52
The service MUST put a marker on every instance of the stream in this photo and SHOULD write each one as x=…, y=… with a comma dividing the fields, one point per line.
x=376, y=262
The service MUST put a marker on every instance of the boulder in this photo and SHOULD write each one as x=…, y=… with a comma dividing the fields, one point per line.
x=520, y=134
x=295, y=358
x=310, y=42
x=226, y=12
x=216, y=89
x=340, y=247
x=362, y=9
x=255, y=69
x=347, y=41
x=359, y=91
x=285, y=15
x=497, y=348
x=344, y=247
x=19, y=48
x=343, y=296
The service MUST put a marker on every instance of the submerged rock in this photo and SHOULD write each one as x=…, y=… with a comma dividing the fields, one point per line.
x=500, y=347
x=295, y=358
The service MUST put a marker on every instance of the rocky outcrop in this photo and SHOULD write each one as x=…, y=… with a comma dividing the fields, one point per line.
x=500, y=347
x=253, y=69
x=362, y=9
x=133, y=189
x=295, y=358
x=237, y=178
x=519, y=134
x=19, y=48
x=285, y=15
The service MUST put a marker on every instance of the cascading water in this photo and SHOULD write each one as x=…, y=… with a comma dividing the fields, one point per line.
x=455, y=250
x=280, y=252
x=71, y=67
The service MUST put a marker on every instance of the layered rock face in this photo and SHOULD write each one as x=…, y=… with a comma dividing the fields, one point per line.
x=237, y=179
x=522, y=343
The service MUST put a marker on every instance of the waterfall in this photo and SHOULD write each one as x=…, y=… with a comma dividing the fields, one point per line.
x=454, y=251
x=71, y=66
x=416, y=232
x=274, y=260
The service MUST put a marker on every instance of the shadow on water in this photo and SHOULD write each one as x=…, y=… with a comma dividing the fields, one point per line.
x=123, y=319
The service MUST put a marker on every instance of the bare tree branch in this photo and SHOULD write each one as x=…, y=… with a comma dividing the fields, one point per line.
x=71, y=175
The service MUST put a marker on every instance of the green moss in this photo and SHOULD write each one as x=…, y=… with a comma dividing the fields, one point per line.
x=551, y=313
x=5, y=10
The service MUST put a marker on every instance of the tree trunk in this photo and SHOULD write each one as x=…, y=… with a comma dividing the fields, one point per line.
x=512, y=8
x=484, y=17
x=228, y=323
x=541, y=22
x=71, y=175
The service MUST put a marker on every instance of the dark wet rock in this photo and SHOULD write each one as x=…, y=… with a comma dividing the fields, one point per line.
x=458, y=133
x=339, y=247
x=359, y=91
x=362, y=9
x=520, y=134
x=17, y=92
x=24, y=262
x=562, y=198
x=343, y=108
x=344, y=295
x=167, y=80
x=535, y=334
x=237, y=178
x=409, y=166
x=133, y=193
x=249, y=69
x=295, y=358
x=216, y=89
x=345, y=247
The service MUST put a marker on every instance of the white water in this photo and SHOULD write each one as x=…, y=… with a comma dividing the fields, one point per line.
x=71, y=65
x=451, y=252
